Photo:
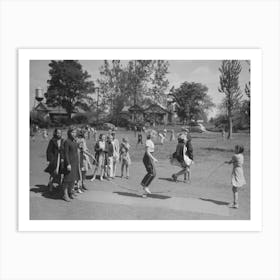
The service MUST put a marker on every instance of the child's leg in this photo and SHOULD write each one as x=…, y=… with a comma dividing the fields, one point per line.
x=235, y=196
x=50, y=184
x=127, y=170
x=95, y=171
x=122, y=168
x=183, y=171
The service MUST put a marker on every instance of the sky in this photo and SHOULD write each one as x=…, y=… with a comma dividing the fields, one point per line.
x=202, y=71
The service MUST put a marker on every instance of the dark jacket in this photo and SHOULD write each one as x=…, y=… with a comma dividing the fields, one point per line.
x=189, y=149
x=52, y=156
x=71, y=157
x=179, y=153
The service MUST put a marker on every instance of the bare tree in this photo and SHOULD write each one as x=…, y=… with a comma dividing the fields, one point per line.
x=229, y=85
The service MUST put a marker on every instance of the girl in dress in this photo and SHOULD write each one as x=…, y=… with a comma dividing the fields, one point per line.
x=237, y=177
x=100, y=156
x=124, y=157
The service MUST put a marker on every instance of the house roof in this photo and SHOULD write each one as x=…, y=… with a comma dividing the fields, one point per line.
x=135, y=108
x=41, y=107
x=156, y=108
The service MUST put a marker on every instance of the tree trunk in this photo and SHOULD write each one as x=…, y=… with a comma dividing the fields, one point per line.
x=229, y=127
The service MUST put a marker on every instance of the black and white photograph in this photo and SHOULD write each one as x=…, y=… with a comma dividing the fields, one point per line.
x=140, y=139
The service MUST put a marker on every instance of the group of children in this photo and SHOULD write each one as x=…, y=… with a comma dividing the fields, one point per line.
x=108, y=152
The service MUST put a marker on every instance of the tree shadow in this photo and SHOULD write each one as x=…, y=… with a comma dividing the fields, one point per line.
x=44, y=191
x=215, y=201
x=157, y=196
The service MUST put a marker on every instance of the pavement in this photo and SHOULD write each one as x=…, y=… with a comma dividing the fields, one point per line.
x=122, y=199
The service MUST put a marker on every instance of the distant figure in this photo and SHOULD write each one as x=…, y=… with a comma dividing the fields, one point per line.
x=55, y=158
x=87, y=131
x=135, y=130
x=94, y=134
x=223, y=133
x=33, y=131
x=140, y=139
x=124, y=157
x=237, y=177
x=172, y=135
x=45, y=134
x=162, y=136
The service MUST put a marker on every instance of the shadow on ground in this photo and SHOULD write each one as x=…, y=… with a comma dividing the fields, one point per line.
x=217, y=149
x=215, y=201
x=157, y=196
x=44, y=191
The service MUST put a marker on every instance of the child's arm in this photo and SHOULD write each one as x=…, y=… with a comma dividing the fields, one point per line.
x=90, y=155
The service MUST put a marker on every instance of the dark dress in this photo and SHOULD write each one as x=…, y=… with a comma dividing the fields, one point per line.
x=71, y=157
x=52, y=156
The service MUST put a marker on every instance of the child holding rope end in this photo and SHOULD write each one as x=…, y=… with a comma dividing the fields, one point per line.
x=237, y=177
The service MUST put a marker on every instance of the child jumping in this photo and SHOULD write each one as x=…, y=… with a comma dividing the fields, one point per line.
x=237, y=177
x=124, y=157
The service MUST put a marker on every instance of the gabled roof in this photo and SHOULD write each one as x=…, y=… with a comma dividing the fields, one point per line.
x=135, y=108
x=41, y=107
x=156, y=108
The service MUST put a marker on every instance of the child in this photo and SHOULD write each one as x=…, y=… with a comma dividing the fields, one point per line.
x=109, y=157
x=181, y=158
x=100, y=154
x=124, y=157
x=237, y=177
x=140, y=141
x=85, y=164
x=45, y=134
x=172, y=135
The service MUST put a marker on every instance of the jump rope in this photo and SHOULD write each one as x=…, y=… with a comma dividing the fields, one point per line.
x=213, y=171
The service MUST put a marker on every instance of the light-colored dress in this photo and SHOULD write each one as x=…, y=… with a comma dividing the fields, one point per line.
x=237, y=177
x=124, y=153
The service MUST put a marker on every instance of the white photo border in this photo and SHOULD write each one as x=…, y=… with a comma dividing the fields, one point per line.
x=24, y=222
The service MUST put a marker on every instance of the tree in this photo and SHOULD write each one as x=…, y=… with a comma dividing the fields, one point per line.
x=229, y=85
x=191, y=100
x=68, y=86
x=158, y=81
x=134, y=82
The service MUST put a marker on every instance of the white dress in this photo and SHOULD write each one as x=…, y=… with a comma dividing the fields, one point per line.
x=237, y=177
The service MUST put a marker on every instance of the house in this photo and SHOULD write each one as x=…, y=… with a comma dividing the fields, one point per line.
x=154, y=114
x=52, y=113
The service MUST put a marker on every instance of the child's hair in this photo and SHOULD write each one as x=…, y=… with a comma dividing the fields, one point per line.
x=125, y=139
x=239, y=149
x=100, y=136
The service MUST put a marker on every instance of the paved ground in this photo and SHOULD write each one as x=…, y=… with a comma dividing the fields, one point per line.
x=206, y=197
